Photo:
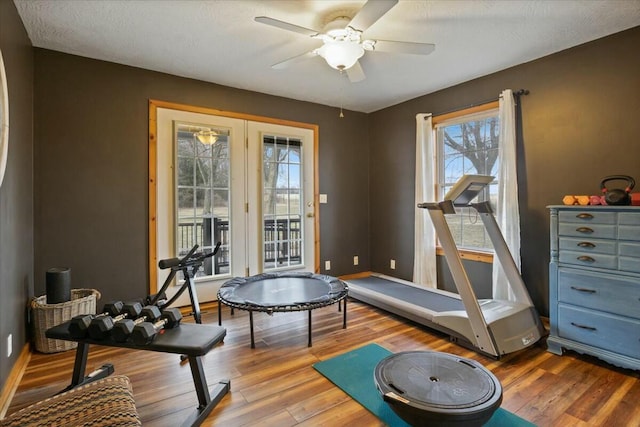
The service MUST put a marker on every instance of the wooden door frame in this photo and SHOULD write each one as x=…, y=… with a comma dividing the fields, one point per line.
x=153, y=154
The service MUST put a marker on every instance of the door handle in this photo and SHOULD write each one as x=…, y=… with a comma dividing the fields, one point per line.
x=310, y=215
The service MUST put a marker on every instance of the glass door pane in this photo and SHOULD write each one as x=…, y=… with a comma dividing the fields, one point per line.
x=200, y=197
x=203, y=214
x=281, y=183
x=282, y=202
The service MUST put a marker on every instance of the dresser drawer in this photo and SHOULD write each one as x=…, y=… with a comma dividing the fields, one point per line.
x=629, y=218
x=587, y=216
x=629, y=232
x=629, y=257
x=600, y=291
x=594, y=231
x=629, y=264
x=629, y=249
x=588, y=245
x=588, y=259
x=598, y=329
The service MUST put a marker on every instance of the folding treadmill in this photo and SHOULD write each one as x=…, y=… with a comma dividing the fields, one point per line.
x=490, y=326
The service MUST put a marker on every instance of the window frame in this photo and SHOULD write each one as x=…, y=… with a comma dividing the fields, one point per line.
x=465, y=253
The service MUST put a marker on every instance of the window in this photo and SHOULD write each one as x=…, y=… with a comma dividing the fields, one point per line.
x=467, y=143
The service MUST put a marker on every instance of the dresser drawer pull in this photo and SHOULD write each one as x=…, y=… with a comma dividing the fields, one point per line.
x=586, y=258
x=584, y=230
x=584, y=216
x=589, y=291
x=586, y=245
x=577, y=325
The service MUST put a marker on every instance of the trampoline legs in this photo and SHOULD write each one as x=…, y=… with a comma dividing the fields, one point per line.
x=253, y=343
x=309, y=345
x=344, y=318
x=310, y=338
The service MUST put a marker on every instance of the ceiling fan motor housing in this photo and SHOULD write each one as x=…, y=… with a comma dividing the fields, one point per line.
x=338, y=28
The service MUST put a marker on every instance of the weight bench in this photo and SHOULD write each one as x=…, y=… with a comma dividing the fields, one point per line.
x=191, y=340
x=106, y=402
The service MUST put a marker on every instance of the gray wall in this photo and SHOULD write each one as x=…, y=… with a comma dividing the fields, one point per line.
x=16, y=193
x=579, y=124
x=91, y=168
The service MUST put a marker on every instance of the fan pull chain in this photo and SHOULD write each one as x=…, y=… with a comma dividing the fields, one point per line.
x=341, y=115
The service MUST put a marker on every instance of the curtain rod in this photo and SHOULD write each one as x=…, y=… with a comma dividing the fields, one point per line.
x=517, y=94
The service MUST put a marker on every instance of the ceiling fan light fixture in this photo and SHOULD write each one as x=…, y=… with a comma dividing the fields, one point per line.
x=207, y=137
x=341, y=55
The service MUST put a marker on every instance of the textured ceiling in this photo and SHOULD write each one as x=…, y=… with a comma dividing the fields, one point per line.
x=219, y=41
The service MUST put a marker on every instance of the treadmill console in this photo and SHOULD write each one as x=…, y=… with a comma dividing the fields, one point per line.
x=467, y=188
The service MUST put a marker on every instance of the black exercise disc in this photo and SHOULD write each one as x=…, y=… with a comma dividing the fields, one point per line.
x=433, y=388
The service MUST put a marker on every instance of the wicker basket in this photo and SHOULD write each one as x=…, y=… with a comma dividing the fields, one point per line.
x=45, y=316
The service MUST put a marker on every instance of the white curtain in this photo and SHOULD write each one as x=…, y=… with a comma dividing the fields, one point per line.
x=507, y=211
x=424, y=264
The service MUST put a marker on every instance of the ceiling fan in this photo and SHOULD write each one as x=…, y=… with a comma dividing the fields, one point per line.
x=343, y=44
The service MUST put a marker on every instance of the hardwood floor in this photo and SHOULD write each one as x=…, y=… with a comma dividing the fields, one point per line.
x=275, y=384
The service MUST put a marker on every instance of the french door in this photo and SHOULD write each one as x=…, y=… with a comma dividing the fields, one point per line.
x=249, y=185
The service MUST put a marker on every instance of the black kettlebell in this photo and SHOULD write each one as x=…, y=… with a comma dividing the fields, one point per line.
x=617, y=196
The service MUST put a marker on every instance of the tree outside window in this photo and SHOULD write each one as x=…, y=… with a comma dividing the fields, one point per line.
x=468, y=145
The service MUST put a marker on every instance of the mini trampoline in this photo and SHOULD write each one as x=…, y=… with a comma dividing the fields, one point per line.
x=282, y=292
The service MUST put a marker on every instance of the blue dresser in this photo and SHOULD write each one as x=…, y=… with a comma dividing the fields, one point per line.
x=594, y=282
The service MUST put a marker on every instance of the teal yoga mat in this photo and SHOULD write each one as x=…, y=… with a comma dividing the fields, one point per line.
x=353, y=373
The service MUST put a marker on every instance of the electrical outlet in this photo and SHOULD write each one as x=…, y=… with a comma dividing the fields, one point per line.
x=327, y=265
x=9, y=345
x=392, y=264
x=355, y=260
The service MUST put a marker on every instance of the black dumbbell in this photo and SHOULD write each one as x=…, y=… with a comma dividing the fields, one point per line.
x=79, y=325
x=123, y=328
x=145, y=332
x=100, y=327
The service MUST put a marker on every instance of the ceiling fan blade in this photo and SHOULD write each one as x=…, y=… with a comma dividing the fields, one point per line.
x=290, y=61
x=285, y=26
x=404, y=47
x=356, y=73
x=370, y=13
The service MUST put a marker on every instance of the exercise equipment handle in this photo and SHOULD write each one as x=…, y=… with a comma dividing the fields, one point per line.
x=630, y=182
x=202, y=256
x=190, y=257
x=172, y=262
x=168, y=263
